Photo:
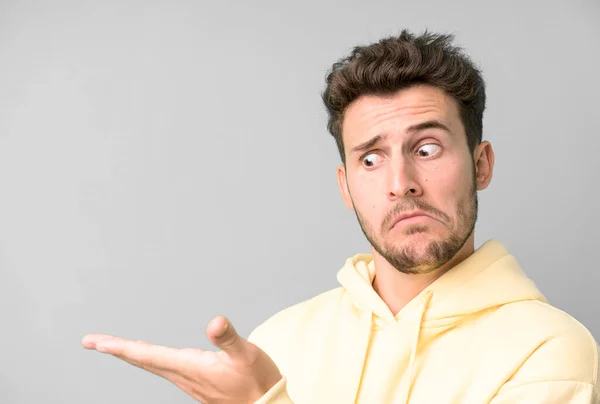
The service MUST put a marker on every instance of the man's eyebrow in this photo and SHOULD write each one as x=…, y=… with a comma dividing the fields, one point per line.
x=433, y=124
x=368, y=144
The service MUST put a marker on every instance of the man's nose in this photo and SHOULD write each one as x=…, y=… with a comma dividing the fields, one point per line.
x=401, y=181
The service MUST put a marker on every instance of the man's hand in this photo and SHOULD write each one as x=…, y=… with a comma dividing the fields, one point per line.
x=240, y=373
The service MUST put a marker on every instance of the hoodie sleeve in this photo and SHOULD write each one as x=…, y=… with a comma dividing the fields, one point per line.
x=564, y=369
x=277, y=394
x=268, y=337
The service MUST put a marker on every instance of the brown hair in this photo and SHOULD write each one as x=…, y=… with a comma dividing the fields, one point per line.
x=395, y=63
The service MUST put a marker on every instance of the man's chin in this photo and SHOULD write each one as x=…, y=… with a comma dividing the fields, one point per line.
x=411, y=263
x=415, y=251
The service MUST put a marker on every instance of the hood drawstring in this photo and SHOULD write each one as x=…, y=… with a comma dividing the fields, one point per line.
x=415, y=345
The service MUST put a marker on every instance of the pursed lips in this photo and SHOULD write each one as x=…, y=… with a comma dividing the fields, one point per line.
x=409, y=215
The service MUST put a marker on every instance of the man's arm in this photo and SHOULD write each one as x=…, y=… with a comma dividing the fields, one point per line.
x=239, y=373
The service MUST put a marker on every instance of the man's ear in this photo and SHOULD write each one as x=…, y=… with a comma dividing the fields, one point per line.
x=343, y=184
x=483, y=157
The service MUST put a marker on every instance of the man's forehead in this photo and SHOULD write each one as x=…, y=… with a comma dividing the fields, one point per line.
x=403, y=109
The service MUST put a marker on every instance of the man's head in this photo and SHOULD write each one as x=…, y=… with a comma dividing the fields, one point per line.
x=406, y=114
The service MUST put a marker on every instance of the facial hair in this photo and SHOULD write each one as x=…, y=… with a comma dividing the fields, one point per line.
x=437, y=252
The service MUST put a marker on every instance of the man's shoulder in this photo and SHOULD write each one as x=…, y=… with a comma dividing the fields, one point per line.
x=545, y=319
x=553, y=336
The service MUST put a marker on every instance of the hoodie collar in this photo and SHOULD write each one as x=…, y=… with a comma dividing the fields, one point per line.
x=489, y=277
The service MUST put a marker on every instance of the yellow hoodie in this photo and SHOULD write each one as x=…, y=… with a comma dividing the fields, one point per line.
x=481, y=333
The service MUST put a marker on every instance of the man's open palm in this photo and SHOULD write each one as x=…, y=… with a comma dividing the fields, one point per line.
x=239, y=373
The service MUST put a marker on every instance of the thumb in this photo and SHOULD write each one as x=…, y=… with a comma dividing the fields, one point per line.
x=221, y=333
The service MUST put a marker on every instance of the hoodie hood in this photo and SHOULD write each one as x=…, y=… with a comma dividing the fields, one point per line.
x=488, y=278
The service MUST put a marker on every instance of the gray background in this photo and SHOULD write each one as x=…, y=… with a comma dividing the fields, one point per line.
x=165, y=162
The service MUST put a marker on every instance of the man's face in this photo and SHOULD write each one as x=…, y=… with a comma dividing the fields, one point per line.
x=408, y=154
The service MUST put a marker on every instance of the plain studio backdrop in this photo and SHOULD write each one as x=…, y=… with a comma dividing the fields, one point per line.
x=162, y=163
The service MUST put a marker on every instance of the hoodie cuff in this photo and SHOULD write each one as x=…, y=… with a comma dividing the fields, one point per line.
x=277, y=394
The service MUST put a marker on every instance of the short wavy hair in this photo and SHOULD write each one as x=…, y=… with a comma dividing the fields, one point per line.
x=398, y=62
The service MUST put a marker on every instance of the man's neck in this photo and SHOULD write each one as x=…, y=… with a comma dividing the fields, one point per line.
x=397, y=289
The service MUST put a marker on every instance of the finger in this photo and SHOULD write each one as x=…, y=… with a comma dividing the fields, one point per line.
x=221, y=333
x=153, y=358
x=89, y=341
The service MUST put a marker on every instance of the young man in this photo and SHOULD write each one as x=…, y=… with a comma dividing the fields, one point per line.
x=425, y=318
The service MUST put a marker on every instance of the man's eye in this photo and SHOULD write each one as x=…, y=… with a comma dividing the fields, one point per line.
x=427, y=150
x=371, y=159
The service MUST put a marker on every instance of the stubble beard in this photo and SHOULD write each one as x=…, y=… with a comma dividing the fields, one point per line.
x=407, y=259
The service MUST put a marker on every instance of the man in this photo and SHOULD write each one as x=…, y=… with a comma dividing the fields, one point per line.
x=425, y=318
